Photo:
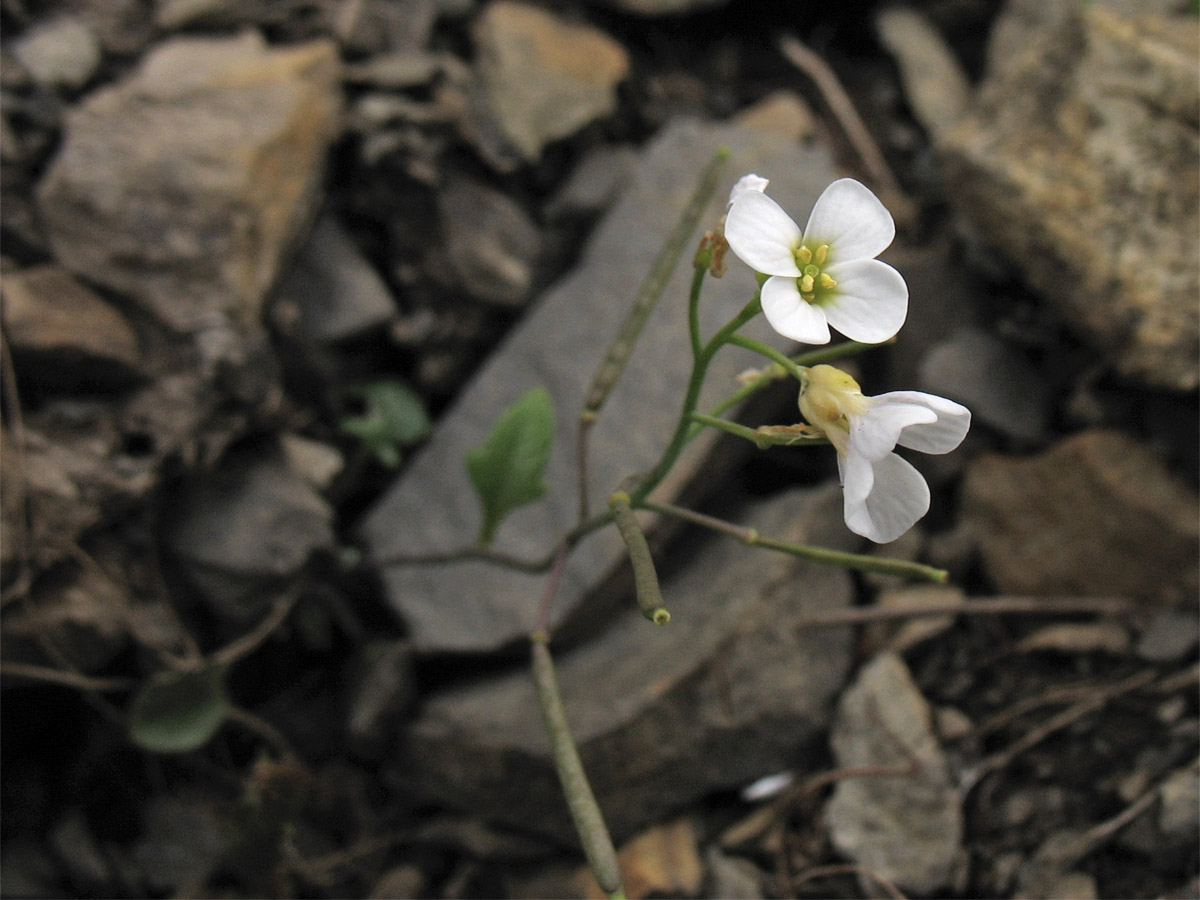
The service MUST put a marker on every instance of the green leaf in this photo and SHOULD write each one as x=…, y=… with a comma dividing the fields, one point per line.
x=394, y=418
x=175, y=712
x=507, y=468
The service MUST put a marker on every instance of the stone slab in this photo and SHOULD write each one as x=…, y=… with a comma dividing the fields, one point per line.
x=475, y=606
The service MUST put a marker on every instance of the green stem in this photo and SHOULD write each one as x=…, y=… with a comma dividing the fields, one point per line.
x=733, y=428
x=802, y=360
x=752, y=538
x=694, y=312
x=651, y=290
x=645, y=579
x=682, y=429
x=749, y=343
x=585, y=812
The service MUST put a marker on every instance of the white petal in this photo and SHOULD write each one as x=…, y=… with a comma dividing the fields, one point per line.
x=940, y=435
x=870, y=301
x=875, y=433
x=898, y=497
x=851, y=220
x=857, y=478
x=762, y=235
x=790, y=315
x=749, y=182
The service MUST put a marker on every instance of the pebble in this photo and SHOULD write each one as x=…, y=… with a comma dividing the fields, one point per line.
x=61, y=52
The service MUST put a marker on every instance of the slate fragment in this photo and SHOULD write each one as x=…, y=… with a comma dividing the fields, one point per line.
x=907, y=827
x=476, y=606
x=730, y=690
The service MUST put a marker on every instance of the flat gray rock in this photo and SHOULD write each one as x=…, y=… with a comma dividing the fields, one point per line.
x=476, y=606
x=905, y=828
x=730, y=690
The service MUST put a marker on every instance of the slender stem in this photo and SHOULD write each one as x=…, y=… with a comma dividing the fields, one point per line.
x=780, y=359
x=645, y=579
x=691, y=397
x=651, y=289
x=581, y=801
x=752, y=538
x=733, y=428
x=802, y=360
x=694, y=312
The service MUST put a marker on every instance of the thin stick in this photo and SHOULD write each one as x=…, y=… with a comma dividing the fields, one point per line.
x=989, y=606
x=66, y=678
x=842, y=107
x=249, y=642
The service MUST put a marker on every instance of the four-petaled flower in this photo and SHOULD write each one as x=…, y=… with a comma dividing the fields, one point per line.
x=883, y=495
x=827, y=274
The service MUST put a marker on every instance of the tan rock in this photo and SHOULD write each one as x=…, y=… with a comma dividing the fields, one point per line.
x=540, y=78
x=185, y=184
x=64, y=331
x=1097, y=514
x=1079, y=164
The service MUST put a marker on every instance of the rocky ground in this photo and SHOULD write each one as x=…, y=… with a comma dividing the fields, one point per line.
x=271, y=268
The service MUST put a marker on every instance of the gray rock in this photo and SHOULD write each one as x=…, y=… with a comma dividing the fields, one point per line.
x=594, y=183
x=730, y=690
x=477, y=606
x=64, y=335
x=59, y=53
x=1095, y=515
x=1078, y=165
x=79, y=851
x=383, y=688
x=183, y=841
x=907, y=828
x=330, y=291
x=247, y=525
x=539, y=79
x=492, y=243
x=1170, y=636
x=184, y=184
x=1179, y=809
x=992, y=379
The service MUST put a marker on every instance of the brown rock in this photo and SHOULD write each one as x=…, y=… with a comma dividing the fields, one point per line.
x=1079, y=163
x=64, y=334
x=184, y=184
x=1097, y=514
x=540, y=78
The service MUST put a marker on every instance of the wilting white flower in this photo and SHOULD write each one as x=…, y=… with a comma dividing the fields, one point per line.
x=827, y=274
x=749, y=182
x=883, y=495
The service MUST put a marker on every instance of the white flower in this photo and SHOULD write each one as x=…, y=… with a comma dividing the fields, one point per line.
x=827, y=274
x=883, y=495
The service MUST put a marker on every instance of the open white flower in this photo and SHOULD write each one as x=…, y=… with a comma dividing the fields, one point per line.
x=883, y=495
x=826, y=275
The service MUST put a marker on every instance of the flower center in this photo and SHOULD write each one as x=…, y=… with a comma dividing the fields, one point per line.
x=814, y=284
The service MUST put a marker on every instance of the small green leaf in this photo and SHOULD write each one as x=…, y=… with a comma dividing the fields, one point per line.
x=507, y=468
x=394, y=418
x=175, y=712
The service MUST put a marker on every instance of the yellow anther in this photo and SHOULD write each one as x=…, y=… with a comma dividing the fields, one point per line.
x=827, y=282
x=804, y=255
x=821, y=254
x=806, y=284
